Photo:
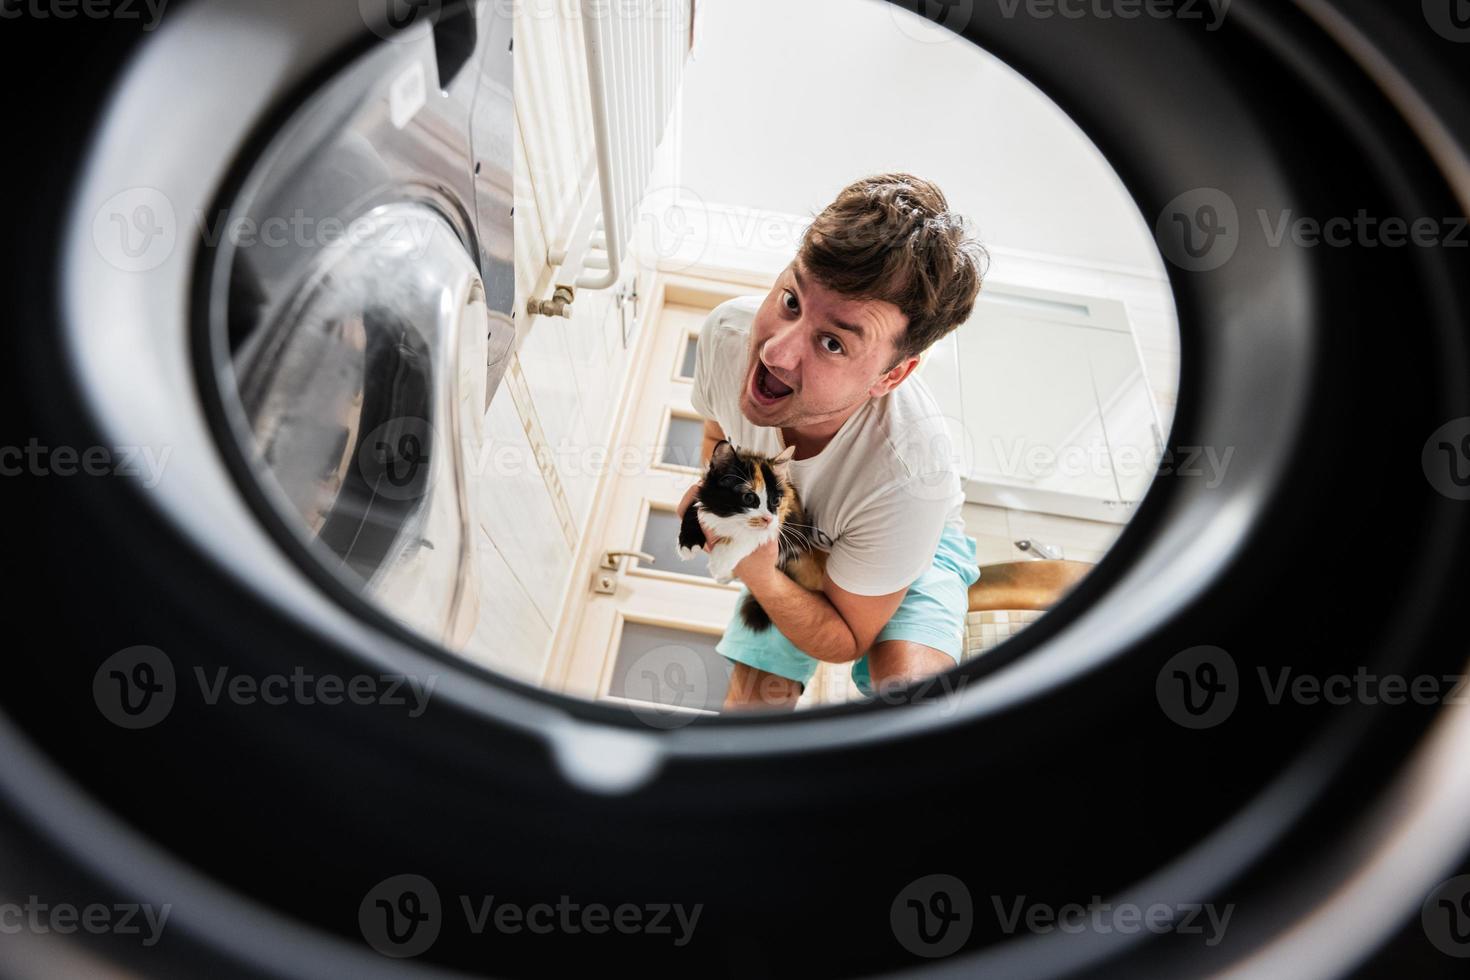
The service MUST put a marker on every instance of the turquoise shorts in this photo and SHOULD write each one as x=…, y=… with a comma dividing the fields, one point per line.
x=932, y=613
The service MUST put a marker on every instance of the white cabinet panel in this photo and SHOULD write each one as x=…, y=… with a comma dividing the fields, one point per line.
x=511, y=635
x=514, y=506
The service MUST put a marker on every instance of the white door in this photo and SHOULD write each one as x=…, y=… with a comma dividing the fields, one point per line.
x=643, y=631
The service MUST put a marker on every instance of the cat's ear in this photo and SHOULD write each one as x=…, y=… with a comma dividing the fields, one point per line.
x=723, y=454
x=780, y=462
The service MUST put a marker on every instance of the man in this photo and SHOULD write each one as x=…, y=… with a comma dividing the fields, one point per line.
x=823, y=364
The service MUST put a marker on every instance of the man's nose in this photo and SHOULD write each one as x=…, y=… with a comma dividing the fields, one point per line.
x=782, y=348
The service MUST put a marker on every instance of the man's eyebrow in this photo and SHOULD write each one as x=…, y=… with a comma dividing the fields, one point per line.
x=849, y=327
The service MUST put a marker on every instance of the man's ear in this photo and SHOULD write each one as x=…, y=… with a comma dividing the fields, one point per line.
x=894, y=376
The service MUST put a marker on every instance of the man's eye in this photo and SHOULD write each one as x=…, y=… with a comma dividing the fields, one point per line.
x=834, y=340
x=790, y=300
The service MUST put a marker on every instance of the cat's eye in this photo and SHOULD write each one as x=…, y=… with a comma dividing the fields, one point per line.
x=750, y=500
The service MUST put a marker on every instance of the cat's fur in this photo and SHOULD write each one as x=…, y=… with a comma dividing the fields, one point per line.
x=739, y=488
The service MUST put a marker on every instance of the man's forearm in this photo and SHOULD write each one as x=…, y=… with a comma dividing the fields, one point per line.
x=806, y=618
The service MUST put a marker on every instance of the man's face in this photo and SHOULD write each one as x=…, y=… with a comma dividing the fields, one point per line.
x=832, y=352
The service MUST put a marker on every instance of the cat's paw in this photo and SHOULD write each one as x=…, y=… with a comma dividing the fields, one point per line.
x=687, y=553
x=721, y=569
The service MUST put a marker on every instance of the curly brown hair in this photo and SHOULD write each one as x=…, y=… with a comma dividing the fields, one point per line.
x=892, y=237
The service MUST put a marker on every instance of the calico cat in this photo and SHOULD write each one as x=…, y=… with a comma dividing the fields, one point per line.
x=746, y=500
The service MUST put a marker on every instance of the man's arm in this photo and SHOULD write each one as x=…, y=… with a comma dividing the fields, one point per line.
x=833, y=625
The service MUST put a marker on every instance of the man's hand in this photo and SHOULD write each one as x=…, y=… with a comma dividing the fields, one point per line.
x=689, y=496
x=759, y=563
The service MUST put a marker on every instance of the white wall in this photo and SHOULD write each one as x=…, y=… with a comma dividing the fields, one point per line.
x=786, y=102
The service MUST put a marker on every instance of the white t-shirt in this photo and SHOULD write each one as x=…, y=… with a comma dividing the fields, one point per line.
x=880, y=492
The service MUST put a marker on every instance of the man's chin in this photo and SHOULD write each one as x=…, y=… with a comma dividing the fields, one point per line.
x=757, y=414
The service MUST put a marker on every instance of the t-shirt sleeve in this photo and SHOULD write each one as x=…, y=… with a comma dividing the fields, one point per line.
x=890, y=542
x=702, y=396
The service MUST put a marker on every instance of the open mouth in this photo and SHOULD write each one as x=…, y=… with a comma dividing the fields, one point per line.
x=766, y=387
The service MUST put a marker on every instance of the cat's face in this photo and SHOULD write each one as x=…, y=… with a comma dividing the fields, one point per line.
x=743, y=493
